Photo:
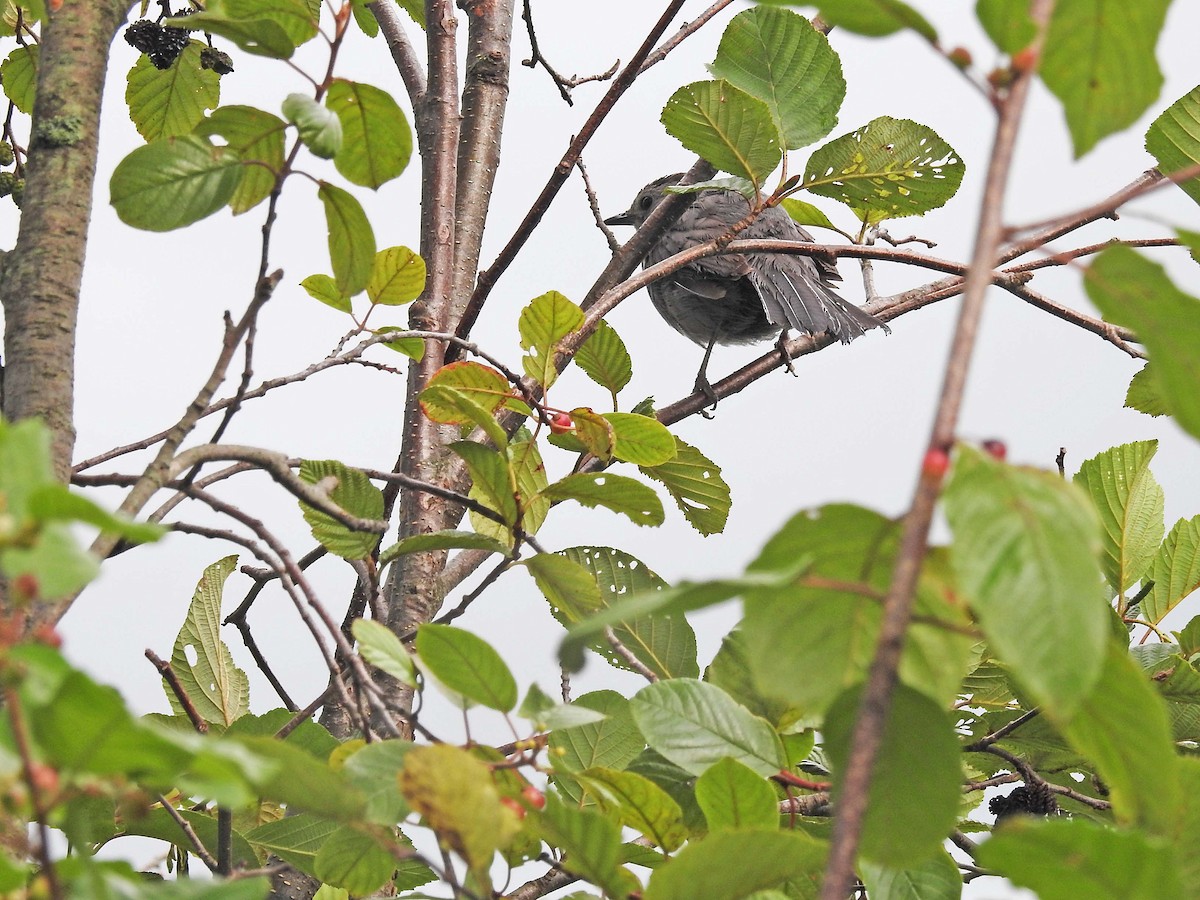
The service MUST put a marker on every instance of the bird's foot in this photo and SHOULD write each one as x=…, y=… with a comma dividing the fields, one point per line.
x=704, y=386
x=781, y=346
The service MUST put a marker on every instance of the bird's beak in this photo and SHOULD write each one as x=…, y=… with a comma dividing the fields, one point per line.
x=625, y=218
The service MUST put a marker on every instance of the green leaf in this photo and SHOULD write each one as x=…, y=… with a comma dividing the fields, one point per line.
x=299, y=19
x=457, y=795
x=442, y=540
x=734, y=796
x=491, y=482
x=695, y=724
x=442, y=403
x=415, y=10
x=263, y=27
x=937, y=878
x=257, y=136
x=218, y=689
x=804, y=213
x=694, y=482
x=640, y=439
x=615, y=492
x=158, y=823
x=382, y=649
x=59, y=565
x=483, y=384
x=173, y=182
x=466, y=665
x=1122, y=727
x=612, y=742
x=1130, y=503
x=590, y=843
x=291, y=775
x=295, y=839
x=350, y=859
x=364, y=18
x=320, y=128
x=54, y=502
x=594, y=431
x=547, y=715
x=374, y=769
x=1065, y=859
x=778, y=57
x=1026, y=551
x=638, y=803
x=353, y=492
x=351, y=240
x=1144, y=394
x=542, y=324
x=732, y=865
x=1175, y=571
x=731, y=129
x=397, y=277
x=1007, y=23
x=888, y=169
x=324, y=288
x=377, y=142
x=1187, y=832
x=731, y=671
x=605, y=360
x=1130, y=290
x=169, y=102
x=412, y=347
x=663, y=642
x=18, y=77
x=1098, y=60
x=916, y=782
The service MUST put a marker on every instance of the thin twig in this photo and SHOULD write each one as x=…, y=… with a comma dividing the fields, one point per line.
x=1000, y=733
x=167, y=671
x=189, y=832
x=626, y=654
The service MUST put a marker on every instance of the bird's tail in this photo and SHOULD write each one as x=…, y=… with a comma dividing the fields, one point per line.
x=795, y=298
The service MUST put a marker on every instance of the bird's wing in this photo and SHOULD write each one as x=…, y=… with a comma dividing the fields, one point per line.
x=706, y=219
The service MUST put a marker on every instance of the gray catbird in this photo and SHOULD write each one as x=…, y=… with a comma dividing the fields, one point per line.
x=736, y=298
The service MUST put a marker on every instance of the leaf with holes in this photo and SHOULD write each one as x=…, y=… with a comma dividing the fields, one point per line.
x=167, y=102
x=542, y=324
x=694, y=482
x=615, y=492
x=257, y=136
x=219, y=690
x=887, y=169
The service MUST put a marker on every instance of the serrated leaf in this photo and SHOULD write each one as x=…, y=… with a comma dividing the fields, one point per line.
x=916, y=780
x=320, y=128
x=695, y=484
x=18, y=76
x=446, y=404
x=662, y=641
x=1175, y=570
x=173, y=182
x=382, y=649
x=695, y=724
x=397, y=277
x=412, y=347
x=806, y=214
x=1130, y=290
x=352, y=860
x=1130, y=503
x=257, y=136
x=734, y=796
x=1026, y=553
x=641, y=440
x=491, y=482
x=354, y=493
x=324, y=288
x=169, y=102
x=442, y=540
x=294, y=839
x=638, y=803
x=1144, y=394
x=467, y=665
x=590, y=843
x=605, y=360
x=733, y=865
x=613, y=742
x=618, y=493
x=1098, y=59
x=1007, y=23
x=875, y=18
x=261, y=36
x=887, y=169
x=1064, y=859
x=351, y=239
x=377, y=141
x=456, y=794
x=937, y=878
x=218, y=689
x=483, y=384
x=544, y=322
x=594, y=431
x=778, y=57
x=731, y=129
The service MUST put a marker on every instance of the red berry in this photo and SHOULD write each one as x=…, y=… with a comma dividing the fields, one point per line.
x=996, y=448
x=25, y=587
x=960, y=56
x=936, y=462
x=1025, y=60
x=47, y=634
x=560, y=423
x=533, y=796
x=514, y=805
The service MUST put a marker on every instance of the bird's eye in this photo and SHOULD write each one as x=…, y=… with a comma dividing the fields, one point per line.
x=646, y=202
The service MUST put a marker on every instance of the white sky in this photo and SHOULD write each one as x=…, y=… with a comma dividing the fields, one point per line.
x=852, y=427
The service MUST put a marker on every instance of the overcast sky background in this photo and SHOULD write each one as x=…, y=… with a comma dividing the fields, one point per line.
x=852, y=427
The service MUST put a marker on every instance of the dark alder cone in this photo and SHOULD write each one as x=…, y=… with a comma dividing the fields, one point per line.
x=161, y=45
x=1035, y=800
x=212, y=58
